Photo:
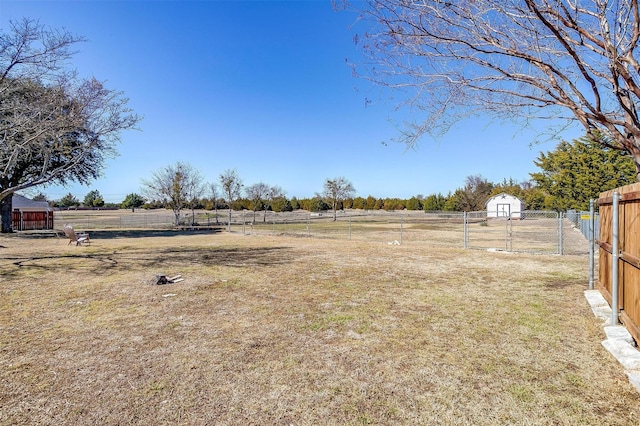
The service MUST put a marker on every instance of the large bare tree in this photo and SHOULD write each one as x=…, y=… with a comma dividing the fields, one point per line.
x=273, y=192
x=523, y=59
x=335, y=191
x=54, y=126
x=231, y=187
x=257, y=193
x=178, y=186
x=214, y=190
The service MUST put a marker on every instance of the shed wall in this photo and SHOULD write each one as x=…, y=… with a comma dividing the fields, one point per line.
x=504, y=205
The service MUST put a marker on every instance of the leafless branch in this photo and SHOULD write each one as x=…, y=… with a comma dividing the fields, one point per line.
x=509, y=58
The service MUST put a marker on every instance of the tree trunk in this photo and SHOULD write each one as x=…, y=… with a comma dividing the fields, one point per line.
x=5, y=213
x=631, y=147
x=635, y=154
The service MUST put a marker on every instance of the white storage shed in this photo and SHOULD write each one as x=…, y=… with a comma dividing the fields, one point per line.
x=505, y=205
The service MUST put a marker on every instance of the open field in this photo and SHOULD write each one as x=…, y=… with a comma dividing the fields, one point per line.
x=537, y=233
x=298, y=331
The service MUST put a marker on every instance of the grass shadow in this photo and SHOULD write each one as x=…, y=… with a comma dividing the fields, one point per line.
x=217, y=256
x=109, y=234
x=108, y=263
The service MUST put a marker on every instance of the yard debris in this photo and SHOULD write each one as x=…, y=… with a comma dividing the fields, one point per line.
x=163, y=279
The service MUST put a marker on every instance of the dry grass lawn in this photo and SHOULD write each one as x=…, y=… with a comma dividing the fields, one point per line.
x=299, y=331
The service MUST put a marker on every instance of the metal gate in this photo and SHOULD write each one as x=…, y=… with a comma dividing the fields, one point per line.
x=529, y=231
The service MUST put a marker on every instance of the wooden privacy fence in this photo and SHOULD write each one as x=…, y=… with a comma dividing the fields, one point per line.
x=627, y=252
x=26, y=221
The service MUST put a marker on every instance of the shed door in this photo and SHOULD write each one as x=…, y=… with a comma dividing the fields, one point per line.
x=504, y=210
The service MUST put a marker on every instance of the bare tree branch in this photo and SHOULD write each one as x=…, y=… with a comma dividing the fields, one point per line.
x=337, y=190
x=178, y=186
x=231, y=186
x=570, y=60
x=54, y=127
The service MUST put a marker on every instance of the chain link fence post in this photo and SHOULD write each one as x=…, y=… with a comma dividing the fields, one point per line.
x=465, y=233
x=560, y=233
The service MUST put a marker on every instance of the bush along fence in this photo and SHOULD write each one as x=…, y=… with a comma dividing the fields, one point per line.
x=619, y=255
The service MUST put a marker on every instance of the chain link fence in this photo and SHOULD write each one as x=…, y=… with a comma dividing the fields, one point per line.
x=438, y=228
x=114, y=219
x=580, y=220
x=529, y=231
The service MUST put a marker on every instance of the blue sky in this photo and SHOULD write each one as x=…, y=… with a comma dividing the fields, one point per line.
x=263, y=87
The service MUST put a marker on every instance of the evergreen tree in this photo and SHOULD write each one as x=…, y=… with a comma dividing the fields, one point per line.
x=393, y=204
x=281, y=204
x=434, y=202
x=359, y=203
x=295, y=204
x=132, y=201
x=318, y=205
x=510, y=187
x=576, y=172
x=533, y=198
x=372, y=203
x=93, y=199
x=69, y=200
x=413, y=203
x=40, y=196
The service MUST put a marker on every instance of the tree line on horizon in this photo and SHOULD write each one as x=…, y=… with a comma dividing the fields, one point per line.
x=568, y=178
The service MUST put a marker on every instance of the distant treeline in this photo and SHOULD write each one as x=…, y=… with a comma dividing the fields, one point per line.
x=471, y=197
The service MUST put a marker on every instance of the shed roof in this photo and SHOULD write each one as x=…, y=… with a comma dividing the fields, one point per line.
x=504, y=195
x=20, y=202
